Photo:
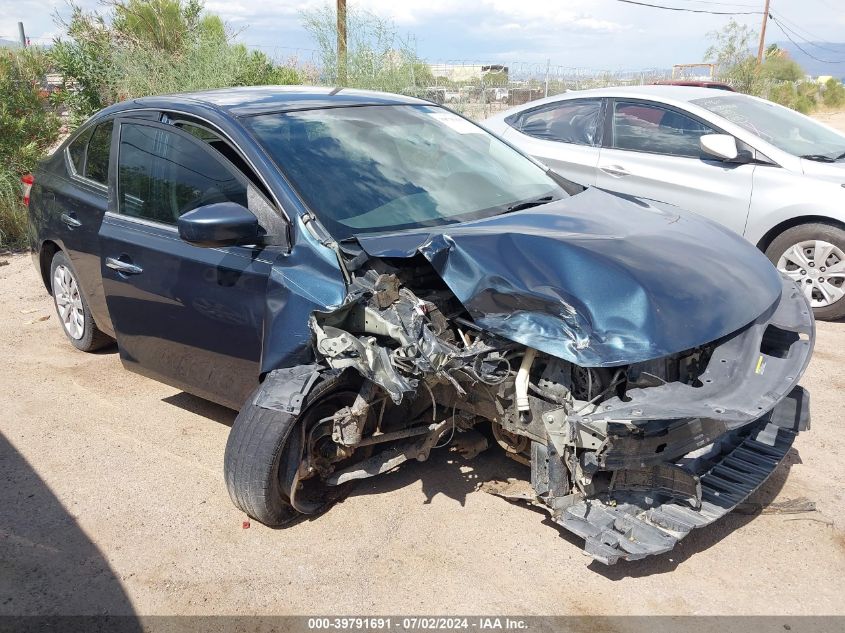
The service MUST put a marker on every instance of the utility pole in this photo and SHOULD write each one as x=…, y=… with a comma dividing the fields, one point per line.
x=341, y=42
x=546, y=91
x=763, y=33
x=22, y=34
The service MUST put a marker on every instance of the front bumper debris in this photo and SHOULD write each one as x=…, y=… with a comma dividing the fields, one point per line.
x=631, y=526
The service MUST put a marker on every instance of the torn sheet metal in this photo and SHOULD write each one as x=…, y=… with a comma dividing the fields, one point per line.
x=285, y=389
x=596, y=279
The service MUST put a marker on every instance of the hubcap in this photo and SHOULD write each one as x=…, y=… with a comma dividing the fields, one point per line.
x=68, y=302
x=819, y=268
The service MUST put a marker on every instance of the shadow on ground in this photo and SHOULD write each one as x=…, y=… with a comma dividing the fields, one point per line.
x=205, y=408
x=443, y=474
x=48, y=566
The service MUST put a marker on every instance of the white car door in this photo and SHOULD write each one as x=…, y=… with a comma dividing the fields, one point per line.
x=652, y=151
x=564, y=135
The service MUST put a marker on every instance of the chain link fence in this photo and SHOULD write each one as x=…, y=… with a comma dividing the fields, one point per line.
x=475, y=88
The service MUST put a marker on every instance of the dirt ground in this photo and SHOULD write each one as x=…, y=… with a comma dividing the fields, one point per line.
x=112, y=501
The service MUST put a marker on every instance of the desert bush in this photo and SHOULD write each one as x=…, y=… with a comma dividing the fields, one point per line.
x=834, y=93
x=147, y=47
x=28, y=127
x=377, y=58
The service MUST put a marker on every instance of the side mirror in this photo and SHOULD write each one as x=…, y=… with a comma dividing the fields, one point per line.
x=720, y=146
x=220, y=224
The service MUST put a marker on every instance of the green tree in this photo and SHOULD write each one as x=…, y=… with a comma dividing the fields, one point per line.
x=143, y=47
x=731, y=51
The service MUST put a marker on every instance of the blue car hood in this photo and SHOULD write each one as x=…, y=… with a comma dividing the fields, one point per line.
x=597, y=279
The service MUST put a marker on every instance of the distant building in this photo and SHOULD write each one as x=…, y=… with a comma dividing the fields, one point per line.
x=467, y=72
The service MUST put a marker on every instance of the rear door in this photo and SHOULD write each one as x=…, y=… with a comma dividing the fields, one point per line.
x=188, y=316
x=565, y=135
x=79, y=202
x=652, y=151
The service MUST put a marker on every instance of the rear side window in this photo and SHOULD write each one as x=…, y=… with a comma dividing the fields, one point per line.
x=575, y=122
x=76, y=151
x=97, y=161
x=89, y=153
x=162, y=174
x=650, y=128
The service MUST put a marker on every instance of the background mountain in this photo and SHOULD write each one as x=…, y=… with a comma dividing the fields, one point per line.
x=830, y=53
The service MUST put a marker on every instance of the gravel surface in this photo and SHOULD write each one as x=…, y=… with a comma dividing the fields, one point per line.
x=112, y=501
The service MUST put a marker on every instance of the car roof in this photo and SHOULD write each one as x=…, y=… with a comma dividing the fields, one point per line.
x=249, y=100
x=665, y=93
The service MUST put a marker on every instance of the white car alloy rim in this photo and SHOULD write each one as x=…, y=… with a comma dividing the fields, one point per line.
x=819, y=268
x=68, y=302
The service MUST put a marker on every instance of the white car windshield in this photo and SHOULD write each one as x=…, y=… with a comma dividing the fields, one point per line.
x=784, y=128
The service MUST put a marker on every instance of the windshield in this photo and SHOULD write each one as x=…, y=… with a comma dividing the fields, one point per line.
x=367, y=169
x=784, y=128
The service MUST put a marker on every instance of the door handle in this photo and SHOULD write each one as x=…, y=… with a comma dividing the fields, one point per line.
x=123, y=267
x=617, y=171
x=70, y=221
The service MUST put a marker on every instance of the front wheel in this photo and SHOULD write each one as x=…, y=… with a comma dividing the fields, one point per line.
x=814, y=256
x=276, y=463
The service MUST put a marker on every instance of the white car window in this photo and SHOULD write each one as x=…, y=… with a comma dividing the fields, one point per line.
x=645, y=127
x=575, y=122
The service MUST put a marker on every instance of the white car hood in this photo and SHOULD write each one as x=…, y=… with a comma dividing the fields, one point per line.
x=826, y=171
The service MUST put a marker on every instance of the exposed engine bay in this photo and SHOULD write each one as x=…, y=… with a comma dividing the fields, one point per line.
x=629, y=457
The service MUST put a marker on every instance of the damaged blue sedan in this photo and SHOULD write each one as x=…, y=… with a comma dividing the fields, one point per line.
x=368, y=277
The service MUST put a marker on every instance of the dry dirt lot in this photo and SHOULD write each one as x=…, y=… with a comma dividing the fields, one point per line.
x=112, y=501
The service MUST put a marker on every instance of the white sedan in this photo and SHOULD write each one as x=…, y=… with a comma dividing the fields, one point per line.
x=769, y=173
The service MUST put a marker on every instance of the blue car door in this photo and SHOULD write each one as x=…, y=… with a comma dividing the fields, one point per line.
x=188, y=316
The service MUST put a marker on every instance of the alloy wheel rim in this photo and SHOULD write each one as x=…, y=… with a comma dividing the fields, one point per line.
x=818, y=267
x=68, y=302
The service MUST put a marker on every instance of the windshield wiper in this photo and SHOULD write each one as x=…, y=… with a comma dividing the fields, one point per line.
x=519, y=206
x=821, y=158
x=841, y=156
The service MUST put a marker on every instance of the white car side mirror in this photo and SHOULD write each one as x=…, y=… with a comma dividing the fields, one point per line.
x=721, y=146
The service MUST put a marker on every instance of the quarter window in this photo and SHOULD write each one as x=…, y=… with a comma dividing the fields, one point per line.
x=650, y=128
x=575, y=122
x=76, y=151
x=162, y=174
x=97, y=162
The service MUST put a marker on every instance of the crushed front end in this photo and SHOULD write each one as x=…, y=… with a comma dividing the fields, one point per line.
x=629, y=457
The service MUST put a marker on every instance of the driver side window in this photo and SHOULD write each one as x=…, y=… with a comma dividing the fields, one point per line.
x=162, y=175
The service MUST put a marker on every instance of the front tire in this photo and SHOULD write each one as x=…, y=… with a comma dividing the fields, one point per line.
x=72, y=308
x=264, y=450
x=814, y=256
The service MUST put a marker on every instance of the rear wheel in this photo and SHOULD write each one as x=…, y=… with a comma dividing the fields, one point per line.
x=814, y=256
x=71, y=307
x=276, y=464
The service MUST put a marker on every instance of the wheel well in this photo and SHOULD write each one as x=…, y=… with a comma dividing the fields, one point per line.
x=45, y=260
x=772, y=233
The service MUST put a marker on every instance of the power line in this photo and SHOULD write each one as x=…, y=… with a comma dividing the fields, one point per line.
x=783, y=29
x=689, y=10
x=723, y=4
x=797, y=29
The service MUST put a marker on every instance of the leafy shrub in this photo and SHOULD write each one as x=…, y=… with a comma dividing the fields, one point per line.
x=28, y=127
x=834, y=93
x=377, y=57
x=148, y=47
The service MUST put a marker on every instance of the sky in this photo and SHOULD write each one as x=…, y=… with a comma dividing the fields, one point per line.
x=590, y=34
